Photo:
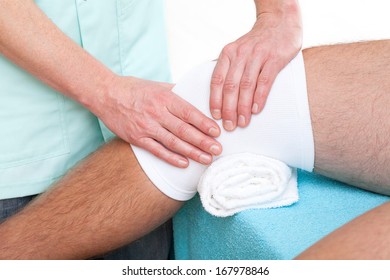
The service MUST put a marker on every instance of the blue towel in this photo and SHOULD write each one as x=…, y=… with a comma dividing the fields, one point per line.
x=280, y=233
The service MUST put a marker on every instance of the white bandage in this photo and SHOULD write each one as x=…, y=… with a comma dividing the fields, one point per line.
x=281, y=131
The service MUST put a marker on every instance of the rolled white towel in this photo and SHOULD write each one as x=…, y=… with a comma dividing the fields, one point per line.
x=243, y=181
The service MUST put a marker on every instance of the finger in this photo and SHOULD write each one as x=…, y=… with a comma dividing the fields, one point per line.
x=216, y=86
x=163, y=153
x=247, y=90
x=264, y=84
x=230, y=95
x=190, y=114
x=181, y=147
x=189, y=134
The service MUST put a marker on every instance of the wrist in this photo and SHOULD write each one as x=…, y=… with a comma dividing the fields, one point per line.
x=99, y=96
x=284, y=7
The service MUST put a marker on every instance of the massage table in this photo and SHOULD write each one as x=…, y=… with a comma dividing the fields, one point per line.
x=278, y=233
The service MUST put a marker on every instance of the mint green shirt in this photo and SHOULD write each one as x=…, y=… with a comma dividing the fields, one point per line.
x=44, y=133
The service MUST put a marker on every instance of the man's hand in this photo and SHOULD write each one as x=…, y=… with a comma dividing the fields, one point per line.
x=247, y=67
x=149, y=115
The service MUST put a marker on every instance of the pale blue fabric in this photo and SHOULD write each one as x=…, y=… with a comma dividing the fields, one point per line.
x=280, y=233
x=43, y=133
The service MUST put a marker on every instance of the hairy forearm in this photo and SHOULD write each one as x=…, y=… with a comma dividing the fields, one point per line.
x=32, y=41
x=103, y=203
x=349, y=96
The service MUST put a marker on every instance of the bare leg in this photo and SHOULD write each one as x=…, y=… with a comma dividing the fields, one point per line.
x=108, y=201
x=349, y=93
x=366, y=237
x=349, y=96
x=104, y=203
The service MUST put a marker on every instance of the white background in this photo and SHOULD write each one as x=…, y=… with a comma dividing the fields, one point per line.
x=199, y=29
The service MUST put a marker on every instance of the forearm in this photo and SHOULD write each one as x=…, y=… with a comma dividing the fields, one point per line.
x=31, y=40
x=89, y=212
x=349, y=96
x=366, y=237
x=144, y=113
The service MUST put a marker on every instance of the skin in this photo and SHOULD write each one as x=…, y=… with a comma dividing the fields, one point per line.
x=79, y=217
x=162, y=123
x=348, y=90
x=366, y=237
x=350, y=124
x=247, y=67
x=166, y=125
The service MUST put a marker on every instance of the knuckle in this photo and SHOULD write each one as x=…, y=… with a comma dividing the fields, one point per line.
x=193, y=154
x=157, y=152
x=139, y=142
x=246, y=83
x=140, y=129
x=217, y=79
x=230, y=86
x=259, y=48
x=157, y=132
x=263, y=49
x=172, y=141
x=186, y=114
x=182, y=130
x=265, y=53
x=273, y=56
x=242, y=50
x=264, y=79
x=142, y=125
x=229, y=49
x=204, y=144
x=153, y=111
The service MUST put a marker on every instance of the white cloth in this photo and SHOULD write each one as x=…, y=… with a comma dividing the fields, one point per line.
x=281, y=131
x=247, y=181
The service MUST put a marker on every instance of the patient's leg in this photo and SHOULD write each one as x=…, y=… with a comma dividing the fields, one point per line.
x=349, y=96
x=108, y=201
x=103, y=203
x=366, y=237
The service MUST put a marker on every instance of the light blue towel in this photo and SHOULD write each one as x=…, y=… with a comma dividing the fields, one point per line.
x=280, y=233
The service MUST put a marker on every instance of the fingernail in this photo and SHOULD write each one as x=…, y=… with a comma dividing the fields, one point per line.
x=228, y=125
x=214, y=132
x=215, y=150
x=205, y=159
x=241, y=121
x=255, y=108
x=216, y=114
x=183, y=163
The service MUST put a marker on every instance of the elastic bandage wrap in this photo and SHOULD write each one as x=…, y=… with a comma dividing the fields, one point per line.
x=282, y=131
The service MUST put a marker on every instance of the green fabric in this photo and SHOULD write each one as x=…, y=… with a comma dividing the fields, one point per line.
x=44, y=133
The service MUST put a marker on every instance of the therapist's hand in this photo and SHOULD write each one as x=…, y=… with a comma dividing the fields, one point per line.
x=247, y=68
x=143, y=113
x=149, y=115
